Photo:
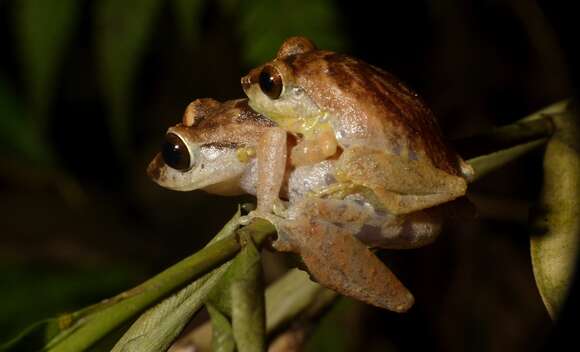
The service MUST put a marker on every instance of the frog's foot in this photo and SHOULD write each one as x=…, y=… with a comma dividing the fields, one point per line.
x=273, y=213
x=280, y=209
x=337, y=260
x=337, y=190
x=278, y=218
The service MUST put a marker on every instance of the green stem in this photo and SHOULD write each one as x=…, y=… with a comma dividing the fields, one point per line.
x=492, y=150
x=151, y=291
x=505, y=137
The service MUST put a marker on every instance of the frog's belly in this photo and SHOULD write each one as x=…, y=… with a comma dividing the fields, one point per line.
x=355, y=213
x=305, y=179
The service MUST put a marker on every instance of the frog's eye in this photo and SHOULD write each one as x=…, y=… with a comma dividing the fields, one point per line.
x=176, y=154
x=271, y=82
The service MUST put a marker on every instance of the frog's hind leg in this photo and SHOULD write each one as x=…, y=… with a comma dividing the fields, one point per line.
x=402, y=185
x=337, y=260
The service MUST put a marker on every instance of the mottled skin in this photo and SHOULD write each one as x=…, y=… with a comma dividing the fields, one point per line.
x=321, y=231
x=387, y=141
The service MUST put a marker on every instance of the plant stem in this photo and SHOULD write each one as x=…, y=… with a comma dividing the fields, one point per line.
x=151, y=291
x=504, y=137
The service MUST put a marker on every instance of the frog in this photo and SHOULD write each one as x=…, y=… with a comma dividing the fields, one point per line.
x=211, y=149
x=214, y=148
x=386, y=142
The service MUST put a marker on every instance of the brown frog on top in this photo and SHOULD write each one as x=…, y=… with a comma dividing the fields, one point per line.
x=388, y=145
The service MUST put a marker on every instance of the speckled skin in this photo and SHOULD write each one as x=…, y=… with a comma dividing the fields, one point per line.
x=388, y=140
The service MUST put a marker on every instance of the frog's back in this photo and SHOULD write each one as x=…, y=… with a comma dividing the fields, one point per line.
x=371, y=106
x=232, y=123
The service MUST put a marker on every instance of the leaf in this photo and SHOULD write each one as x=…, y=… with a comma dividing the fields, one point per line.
x=122, y=30
x=156, y=329
x=188, y=13
x=44, y=28
x=243, y=266
x=248, y=312
x=34, y=337
x=19, y=299
x=289, y=296
x=265, y=25
x=222, y=335
x=18, y=137
x=101, y=319
x=556, y=226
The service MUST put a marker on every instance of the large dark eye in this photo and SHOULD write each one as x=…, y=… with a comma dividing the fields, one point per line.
x=175, y=153
x=271, y=82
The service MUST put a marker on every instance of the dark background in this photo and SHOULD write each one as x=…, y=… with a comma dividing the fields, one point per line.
x=84, y=106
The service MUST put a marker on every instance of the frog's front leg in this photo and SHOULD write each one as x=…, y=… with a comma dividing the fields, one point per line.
x=271, y=159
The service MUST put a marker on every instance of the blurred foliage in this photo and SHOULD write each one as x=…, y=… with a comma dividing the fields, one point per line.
x=18, y=134
x=122, y=29
x=43, y=40
x=25, y=294
x=264, y=25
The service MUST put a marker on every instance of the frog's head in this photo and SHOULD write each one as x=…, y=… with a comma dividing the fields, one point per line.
x=274, y=88
x=210, y=149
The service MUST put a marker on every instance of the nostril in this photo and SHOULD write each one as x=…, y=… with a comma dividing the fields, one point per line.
x=246, y=82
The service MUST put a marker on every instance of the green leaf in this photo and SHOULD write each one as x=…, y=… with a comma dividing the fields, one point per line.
x=19, y=301
x=222, y=334
x=156, y=329
x=265, y=25
x=101, y=319
x=556, y=226
x=44, y=28
x=289, y=296
x=293, y=297
x=86, y=327
x=248, y=312
x=18, y=136
x=188, y=13
x=33, y=338
x=122, y=30
x=243, y=266
x=129, y=304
